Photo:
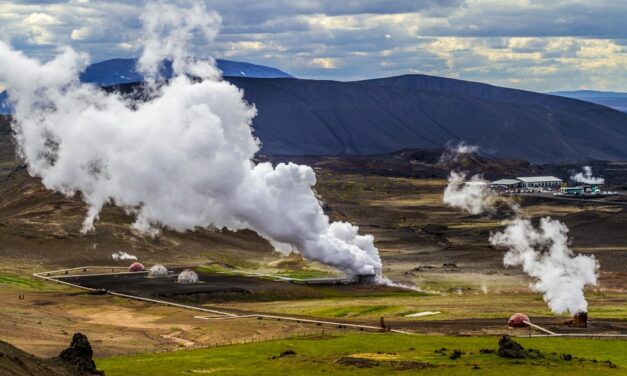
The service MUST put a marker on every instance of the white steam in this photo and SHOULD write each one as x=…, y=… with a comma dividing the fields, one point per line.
x=121, y=255
x=586, y=177
x=544, y=254
x=180, y=160
x=452, y=153
x=473, y=196
x=464, y=148
x=169, y=32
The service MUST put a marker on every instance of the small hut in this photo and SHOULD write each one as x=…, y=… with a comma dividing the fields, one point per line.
x=158, y=271
x=136, y=267
x=187, y=276
x=518, y=320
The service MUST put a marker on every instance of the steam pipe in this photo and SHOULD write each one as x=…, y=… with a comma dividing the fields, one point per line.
x=540, y=328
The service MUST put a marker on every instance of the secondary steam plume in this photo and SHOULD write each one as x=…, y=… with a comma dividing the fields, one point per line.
x=544, y=254
x=121, y=255
x=180, y=160
x=586, y=177
x=472, y=196
x=453, y=153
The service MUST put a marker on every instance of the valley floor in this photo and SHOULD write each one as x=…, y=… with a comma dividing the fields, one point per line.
x=376, y=354
x=442, y=251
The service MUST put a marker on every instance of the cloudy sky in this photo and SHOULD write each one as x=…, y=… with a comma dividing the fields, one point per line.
x=539, y=45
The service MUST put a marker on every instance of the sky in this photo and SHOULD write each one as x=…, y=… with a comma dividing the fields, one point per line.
x=543, y=45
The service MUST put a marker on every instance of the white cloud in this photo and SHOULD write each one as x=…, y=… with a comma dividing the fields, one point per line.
x=40, y=19
x=125, y=46
x=80, y=34
x=534, y=45
x=326, y=63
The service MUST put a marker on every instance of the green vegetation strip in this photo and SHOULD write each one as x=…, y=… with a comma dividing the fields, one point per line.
x=13, y=280
x=377, y=354
x=352, y=303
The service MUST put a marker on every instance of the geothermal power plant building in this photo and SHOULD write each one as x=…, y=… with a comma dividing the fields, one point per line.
x=544, y=182
x=548, y=182
x=506, y=184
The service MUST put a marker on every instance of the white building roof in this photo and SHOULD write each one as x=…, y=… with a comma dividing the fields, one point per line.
x=476, y=182
x=538, y=179
x=506, y=182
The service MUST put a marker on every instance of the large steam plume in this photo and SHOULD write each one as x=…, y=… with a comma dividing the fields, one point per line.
x=473, y=196
x=586, y=177
x=544, y=254
x=180, y=160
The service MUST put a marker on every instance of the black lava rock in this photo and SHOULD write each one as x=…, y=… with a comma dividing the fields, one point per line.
x=80, y=355
x=508, y=348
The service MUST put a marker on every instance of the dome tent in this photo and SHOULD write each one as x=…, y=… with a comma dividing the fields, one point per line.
x=136, y=267
x=158, y=271
x=518, y=320
x=187, y=276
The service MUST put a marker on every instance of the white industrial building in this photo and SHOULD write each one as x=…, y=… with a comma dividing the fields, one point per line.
x=545, y=182
x=528, y=182
x=506, y=184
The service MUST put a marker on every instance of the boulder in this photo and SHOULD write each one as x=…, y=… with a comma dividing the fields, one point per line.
x=80, y=354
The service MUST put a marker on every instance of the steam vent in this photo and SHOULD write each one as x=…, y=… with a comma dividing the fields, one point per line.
x=187, y=276
x=158, y=271
x=580, y=320
x=518, y=320
x=366, y=279
x=136, y=267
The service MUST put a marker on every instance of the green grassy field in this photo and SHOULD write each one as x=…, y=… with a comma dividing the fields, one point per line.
x=452, y=306
x=376, y=354
x=26, y=283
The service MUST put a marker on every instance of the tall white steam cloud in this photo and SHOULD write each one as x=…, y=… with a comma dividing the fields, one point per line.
x=543, y=253
x=182, y=159
x=586, y=177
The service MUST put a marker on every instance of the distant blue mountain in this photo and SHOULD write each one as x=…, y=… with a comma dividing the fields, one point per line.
x=4, y=106
x=122, y=71
x=615, y=100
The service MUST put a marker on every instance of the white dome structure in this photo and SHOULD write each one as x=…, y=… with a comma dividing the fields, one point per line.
x=158, y=271
x=187, y=276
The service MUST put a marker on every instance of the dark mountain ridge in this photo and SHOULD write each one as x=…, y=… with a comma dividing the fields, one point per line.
x=615, y=100
x=321, y=117
x=300, y=117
